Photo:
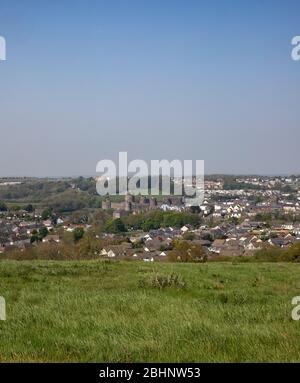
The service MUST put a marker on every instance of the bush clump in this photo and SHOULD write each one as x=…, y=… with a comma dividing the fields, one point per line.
x=160, y=281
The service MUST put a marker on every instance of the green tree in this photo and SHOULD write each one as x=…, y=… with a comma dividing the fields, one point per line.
x=115, y=226
x=43, y=232
x=47, y=213
x=29, y=208
x=34, y=236
x=3, y=206
x=78, y=233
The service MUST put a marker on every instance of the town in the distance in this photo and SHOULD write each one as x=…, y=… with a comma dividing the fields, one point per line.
x=249, y=217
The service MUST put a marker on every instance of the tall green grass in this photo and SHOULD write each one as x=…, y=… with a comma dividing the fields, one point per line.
x=95, y=311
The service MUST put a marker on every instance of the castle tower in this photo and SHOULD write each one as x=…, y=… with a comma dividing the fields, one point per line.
x=128, y=206
x=128, y=197
x=106, y=204
x=153, y=203
x=143, y=200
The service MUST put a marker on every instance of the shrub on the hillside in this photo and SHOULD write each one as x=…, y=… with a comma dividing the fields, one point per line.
x=163, y=281
x=268, y=255
x=291, y=254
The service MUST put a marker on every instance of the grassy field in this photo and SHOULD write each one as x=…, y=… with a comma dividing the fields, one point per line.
x=118, y=312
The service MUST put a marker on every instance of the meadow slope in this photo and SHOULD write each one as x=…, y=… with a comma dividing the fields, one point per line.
x=95, y=311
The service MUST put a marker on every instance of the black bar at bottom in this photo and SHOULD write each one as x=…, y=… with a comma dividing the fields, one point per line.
x=134, y=372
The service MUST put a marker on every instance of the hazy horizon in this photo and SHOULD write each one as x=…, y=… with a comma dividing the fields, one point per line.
x=207, y=80
x=205, y=175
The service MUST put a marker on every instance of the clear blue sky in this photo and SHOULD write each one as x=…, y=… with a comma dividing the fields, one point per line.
x=210, y=80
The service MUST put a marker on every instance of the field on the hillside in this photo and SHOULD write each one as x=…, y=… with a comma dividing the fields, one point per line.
x=116, y=312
